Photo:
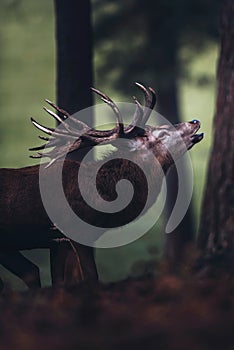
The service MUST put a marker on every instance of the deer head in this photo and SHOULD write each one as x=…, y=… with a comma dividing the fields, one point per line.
x=148, y=153
x=166, y=143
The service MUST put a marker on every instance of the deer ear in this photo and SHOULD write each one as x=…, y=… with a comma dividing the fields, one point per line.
x=155, y=133
x=159, y=133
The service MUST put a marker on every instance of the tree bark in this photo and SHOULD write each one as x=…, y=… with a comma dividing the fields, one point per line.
x=74, y=54
x=216, y=236
x=74, y=79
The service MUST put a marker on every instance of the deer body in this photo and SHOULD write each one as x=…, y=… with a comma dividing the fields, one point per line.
x=24, y=223
x=22, y=212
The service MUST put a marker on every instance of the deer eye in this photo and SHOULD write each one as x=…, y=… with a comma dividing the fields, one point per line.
x=160, y=134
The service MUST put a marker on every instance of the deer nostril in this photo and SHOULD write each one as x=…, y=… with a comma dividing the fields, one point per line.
x=194, y=121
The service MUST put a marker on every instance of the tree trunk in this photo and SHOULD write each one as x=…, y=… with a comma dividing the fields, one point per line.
x=74, y=54
x=74, y=79
x=216, y=236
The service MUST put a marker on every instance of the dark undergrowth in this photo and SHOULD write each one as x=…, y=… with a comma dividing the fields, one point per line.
x=166, y=312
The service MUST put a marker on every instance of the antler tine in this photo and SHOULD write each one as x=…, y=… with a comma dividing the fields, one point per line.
x=50, y=143
x=35, y=156
x=150, y=101
x=71, y=131
x=51, y=131
x=42, y=146
x=54, y=115
x=65, y=116
x=58, y=109
x=56, y=154
x=44, y=138
x=37, y=148
x=154, y=98
x=146, y=93
x=40, y=155
x=138, y=113
x=48, y=131
x=115, y=109
x=137, y=118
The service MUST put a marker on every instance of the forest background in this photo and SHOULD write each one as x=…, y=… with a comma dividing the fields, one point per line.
x=124, y=52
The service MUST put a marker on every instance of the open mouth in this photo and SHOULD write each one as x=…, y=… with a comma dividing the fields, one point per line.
x=195, y=138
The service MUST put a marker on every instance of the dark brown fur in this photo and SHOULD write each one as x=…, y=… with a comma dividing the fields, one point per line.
x=24, y=223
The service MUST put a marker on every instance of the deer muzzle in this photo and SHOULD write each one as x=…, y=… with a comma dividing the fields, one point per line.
x=195, y=138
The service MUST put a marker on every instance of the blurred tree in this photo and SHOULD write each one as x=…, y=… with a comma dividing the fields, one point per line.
x=74, y=79
x=74, y=54
x=216, y=237
x=141, y=41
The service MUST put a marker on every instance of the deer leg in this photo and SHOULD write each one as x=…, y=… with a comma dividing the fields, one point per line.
x=87, y=261
x=60, y=251
x=71, y=263
x=23, y=268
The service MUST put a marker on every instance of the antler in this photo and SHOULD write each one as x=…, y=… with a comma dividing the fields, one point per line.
x=68, y=138
x=106, y=99
x=150, y=102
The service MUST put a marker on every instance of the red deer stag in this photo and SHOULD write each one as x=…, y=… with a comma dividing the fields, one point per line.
x=24, y=223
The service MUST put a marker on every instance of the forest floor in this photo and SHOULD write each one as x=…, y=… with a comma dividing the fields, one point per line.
x=164, y=312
